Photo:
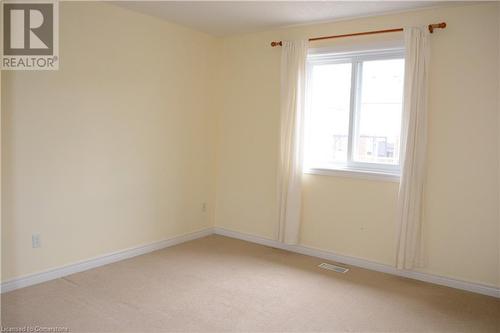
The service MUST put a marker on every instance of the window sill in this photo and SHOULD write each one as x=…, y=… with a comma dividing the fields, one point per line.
x=353, y=173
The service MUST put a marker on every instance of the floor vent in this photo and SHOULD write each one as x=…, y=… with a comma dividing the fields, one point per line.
x=335, y=268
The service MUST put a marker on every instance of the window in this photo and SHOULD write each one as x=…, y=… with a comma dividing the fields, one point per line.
x=353, y=112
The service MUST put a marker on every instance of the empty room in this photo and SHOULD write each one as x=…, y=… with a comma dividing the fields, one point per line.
x=264, y=166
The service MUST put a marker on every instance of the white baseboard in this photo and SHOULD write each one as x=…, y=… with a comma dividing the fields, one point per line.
x=440, y=280
x=109, y=258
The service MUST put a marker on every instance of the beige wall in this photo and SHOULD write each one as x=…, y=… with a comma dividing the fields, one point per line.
x=1, y=175
x=355, y=217
x=115, y=149
x=498, y=98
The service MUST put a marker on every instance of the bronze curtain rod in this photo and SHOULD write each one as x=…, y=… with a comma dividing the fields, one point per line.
x=431, y=27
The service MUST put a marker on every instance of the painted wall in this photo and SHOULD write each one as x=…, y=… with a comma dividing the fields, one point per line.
x=498, y=98
x=116, y=148
x=356, y=217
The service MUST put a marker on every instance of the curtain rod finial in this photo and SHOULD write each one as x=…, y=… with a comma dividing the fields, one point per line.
x=273, y=44
x=441, y=25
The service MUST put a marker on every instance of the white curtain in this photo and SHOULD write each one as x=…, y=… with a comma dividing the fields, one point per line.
x=413, y=142
x=293, y=76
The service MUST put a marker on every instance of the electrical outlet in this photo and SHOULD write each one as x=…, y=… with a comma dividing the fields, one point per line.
x=204, y=207
x=35, y=241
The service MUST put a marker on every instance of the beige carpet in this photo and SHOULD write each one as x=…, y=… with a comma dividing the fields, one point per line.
x=219, y=284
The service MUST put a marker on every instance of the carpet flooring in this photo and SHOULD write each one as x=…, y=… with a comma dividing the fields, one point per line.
x=218, y=284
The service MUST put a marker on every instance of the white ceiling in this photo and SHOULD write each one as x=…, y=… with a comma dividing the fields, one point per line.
x=223, y=18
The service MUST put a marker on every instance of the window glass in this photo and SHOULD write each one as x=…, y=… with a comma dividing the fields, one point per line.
x=378, y=120
x=330, y=90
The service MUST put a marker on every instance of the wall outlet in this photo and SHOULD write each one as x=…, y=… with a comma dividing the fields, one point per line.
x=204, y=207
x=35, y=241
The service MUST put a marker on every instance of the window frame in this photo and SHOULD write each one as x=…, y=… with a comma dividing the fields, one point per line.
x=350, y=168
